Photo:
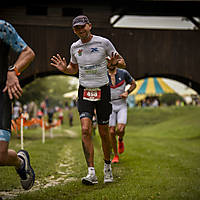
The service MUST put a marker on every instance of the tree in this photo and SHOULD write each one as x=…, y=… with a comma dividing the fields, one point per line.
x=52, y=86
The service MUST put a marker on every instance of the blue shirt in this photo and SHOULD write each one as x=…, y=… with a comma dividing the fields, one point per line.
x=9, y=35
x=8, y=39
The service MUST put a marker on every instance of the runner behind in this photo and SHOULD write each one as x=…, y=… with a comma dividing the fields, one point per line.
x=118, y=79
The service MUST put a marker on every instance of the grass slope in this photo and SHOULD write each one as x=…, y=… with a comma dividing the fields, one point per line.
x=161, y=160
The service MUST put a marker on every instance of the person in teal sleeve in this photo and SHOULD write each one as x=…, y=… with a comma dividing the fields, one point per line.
x=10, y=89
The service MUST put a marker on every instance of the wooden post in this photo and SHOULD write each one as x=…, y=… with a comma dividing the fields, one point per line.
x=43, y=131
x=22, y=133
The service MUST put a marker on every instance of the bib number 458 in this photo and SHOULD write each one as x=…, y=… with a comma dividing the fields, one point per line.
x=92, y=94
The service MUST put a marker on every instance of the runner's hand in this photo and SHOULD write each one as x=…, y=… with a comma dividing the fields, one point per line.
x=59, y=63
x=113, y=60
x=124, y=95
x=12, y=85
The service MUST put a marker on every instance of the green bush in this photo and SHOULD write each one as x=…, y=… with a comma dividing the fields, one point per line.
x=170, y=99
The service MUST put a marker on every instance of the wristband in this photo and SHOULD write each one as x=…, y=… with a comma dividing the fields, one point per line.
x=14, y=68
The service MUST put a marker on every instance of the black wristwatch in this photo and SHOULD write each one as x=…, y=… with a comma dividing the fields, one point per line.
x=13, y=68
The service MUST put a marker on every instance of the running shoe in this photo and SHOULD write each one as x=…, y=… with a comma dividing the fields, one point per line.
x=115, y=159
x=120, y=147
x=108, y=177
x=90, y=179
x=26, y=174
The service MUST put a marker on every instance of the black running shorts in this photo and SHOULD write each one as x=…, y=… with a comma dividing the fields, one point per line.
x=5, y=111
x=103, y=106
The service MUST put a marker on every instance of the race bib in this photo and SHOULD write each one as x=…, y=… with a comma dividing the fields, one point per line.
x=92, y=94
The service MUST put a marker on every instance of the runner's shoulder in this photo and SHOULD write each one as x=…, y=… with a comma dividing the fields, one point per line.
x=121, y=71
x=76, y=44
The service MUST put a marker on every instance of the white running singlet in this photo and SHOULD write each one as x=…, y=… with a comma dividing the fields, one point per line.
x=91, y=59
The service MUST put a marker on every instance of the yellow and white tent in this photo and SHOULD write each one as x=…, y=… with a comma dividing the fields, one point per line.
x=151, y=86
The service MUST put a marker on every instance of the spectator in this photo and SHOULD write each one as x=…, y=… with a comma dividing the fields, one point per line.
x=70, y=115
x=60, y=115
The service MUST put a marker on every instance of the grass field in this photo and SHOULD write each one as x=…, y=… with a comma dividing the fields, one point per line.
x=161, y=160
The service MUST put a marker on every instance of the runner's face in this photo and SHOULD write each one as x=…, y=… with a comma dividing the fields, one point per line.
x=82, y=31
x=111, y=67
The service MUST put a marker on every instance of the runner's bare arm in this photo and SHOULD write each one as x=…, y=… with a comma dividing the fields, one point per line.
x=61, y=64
x=131, y=88
x=24, y=59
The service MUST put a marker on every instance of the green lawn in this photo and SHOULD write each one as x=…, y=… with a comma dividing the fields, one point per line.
x=161, y=160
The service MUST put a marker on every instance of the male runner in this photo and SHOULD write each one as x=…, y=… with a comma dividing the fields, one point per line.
x=10, y=87
x=118, y=79
x=88, y=56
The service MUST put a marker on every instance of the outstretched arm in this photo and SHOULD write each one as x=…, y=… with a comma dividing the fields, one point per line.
x=61, y=64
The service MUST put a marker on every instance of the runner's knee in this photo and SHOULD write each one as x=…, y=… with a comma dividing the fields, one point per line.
x=85, y=130
x=121, y=129
x=85, y=124
x=112, y=132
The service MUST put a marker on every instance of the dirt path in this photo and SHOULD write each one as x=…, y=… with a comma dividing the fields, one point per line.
x=64, y=169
